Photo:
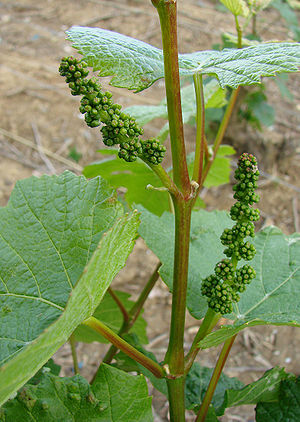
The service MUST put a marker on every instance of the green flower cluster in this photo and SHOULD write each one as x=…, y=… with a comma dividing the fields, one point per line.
x=117, y=128
x=222, y=289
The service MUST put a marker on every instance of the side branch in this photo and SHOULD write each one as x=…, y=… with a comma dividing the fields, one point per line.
x=121, y=344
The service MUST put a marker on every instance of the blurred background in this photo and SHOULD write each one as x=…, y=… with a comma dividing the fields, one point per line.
x=42, y=131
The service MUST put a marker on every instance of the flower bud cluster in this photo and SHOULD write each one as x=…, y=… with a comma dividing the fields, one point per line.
x=98, y=107
x=222, y=289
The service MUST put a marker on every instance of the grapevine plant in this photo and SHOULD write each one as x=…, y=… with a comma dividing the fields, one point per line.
x=64, y=239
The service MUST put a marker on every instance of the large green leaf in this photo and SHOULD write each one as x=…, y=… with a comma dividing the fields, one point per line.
x=110, y=314
x=158, y=233
x=137, y=65
x=286, y=409
x=134, y=177
x=115, y=396
x=270, y=298
x=48, y=232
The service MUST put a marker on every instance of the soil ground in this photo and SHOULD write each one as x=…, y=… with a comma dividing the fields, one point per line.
x=40, y=124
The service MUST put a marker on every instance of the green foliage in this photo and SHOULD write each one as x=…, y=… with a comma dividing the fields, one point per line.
x=115, y=396
x=110, y=314
x=214, y=97
x=257, y=111
x=134, y=177
x=286, y=409
x=289, y=16
x=197, y=383
x=205, y=230
x=61, y=218
x=138, y=71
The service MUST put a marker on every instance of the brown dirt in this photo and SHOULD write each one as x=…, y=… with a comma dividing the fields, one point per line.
x=36, y=107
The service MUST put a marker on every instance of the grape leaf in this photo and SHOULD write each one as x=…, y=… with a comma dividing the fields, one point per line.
x=286, y=409
x=269, y=299
x=196, y=385
x=54, y=399
x=134, y=177
x=265, y=389
x=48, y=233
x=115, y=396
x=124, y=396
x=136, y=65
x=109, y=313
x=158, y=233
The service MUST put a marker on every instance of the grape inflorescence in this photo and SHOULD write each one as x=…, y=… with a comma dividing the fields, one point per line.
x=223, y=287
x=117, y=128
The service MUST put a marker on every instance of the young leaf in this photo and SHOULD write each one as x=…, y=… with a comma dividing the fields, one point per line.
x=109, y=313
x=137, y=65
x=124, y=397
x=134, y=177
x=236, y=7
x=286, y=409
x=48, y=232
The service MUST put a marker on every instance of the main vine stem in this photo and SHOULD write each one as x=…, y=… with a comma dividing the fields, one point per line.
x=182, y=200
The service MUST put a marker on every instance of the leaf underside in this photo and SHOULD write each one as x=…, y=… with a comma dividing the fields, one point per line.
x=136, y=65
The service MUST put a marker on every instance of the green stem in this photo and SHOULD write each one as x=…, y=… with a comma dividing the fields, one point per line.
x=239, y=32
x=121, y=344
x=165, y=178
x=200, y=120
x=74, y=353
x=221, y=131
x=138, y=306
x=133, y=313
x=167, y=11
x=214, y=379
x=174, y=358
x=119, y=303
x=209, y=322
x=176, y=403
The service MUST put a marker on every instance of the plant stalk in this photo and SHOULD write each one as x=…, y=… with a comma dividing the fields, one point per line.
x=119, y=303
x=221, y=132
x=121, y=344
x=209, y=322
x=174, y=359
x=167, y=11
x=74, y=354
x=133, y=313
x=200, y=136
x=214, y=379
